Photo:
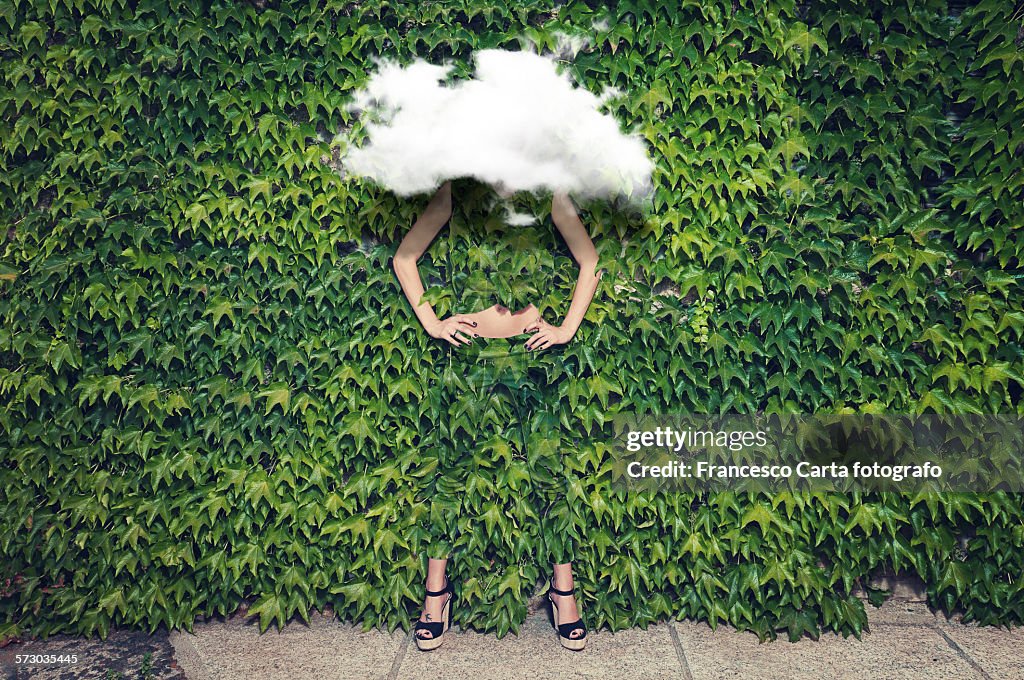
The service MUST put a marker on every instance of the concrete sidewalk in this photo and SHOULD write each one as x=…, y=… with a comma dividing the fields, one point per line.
x=905, y=640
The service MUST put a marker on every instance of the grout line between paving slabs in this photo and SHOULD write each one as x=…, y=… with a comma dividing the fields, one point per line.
x=680, y=651
x=396, y=665
x=961, y=653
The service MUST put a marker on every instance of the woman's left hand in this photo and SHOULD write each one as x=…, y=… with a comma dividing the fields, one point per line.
x=546, y=335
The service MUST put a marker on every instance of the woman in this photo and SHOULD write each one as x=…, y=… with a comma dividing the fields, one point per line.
x=489, y=369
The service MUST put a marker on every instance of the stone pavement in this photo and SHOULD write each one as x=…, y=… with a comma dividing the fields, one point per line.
x=124, y=655
x=906, y=640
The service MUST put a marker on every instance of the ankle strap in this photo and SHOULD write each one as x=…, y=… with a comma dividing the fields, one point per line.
x=556, y=591
x=438, y=593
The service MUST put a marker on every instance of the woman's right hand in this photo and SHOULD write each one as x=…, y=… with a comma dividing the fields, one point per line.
x=454, y=329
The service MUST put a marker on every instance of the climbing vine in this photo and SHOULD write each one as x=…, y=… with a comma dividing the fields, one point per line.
x=213, y=388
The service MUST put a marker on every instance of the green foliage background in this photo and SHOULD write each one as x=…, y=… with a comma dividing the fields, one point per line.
x=213, y=388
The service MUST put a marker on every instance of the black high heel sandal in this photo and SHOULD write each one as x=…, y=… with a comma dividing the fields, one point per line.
x=437, y=629
x=565, y=630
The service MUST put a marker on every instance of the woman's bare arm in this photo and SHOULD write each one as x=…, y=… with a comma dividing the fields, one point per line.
x=569, y=225
x=412, y=247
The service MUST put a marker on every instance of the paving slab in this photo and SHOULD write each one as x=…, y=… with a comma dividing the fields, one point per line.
x=887, y=653
x=535, y=653
x=997, y=651
x=324, y=649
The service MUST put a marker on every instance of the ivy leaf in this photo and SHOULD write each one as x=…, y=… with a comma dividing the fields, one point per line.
x=276, y=394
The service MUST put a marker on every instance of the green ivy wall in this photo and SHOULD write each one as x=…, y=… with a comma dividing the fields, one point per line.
x=212, y=389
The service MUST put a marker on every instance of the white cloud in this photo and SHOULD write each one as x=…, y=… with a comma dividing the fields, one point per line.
x=517, y=122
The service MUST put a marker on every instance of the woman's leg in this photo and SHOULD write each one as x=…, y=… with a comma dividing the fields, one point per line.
x=432, y=606
x=442, y=518
x=444, y=503
x=567, y=611
x=554, y=475
x=557, y=528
